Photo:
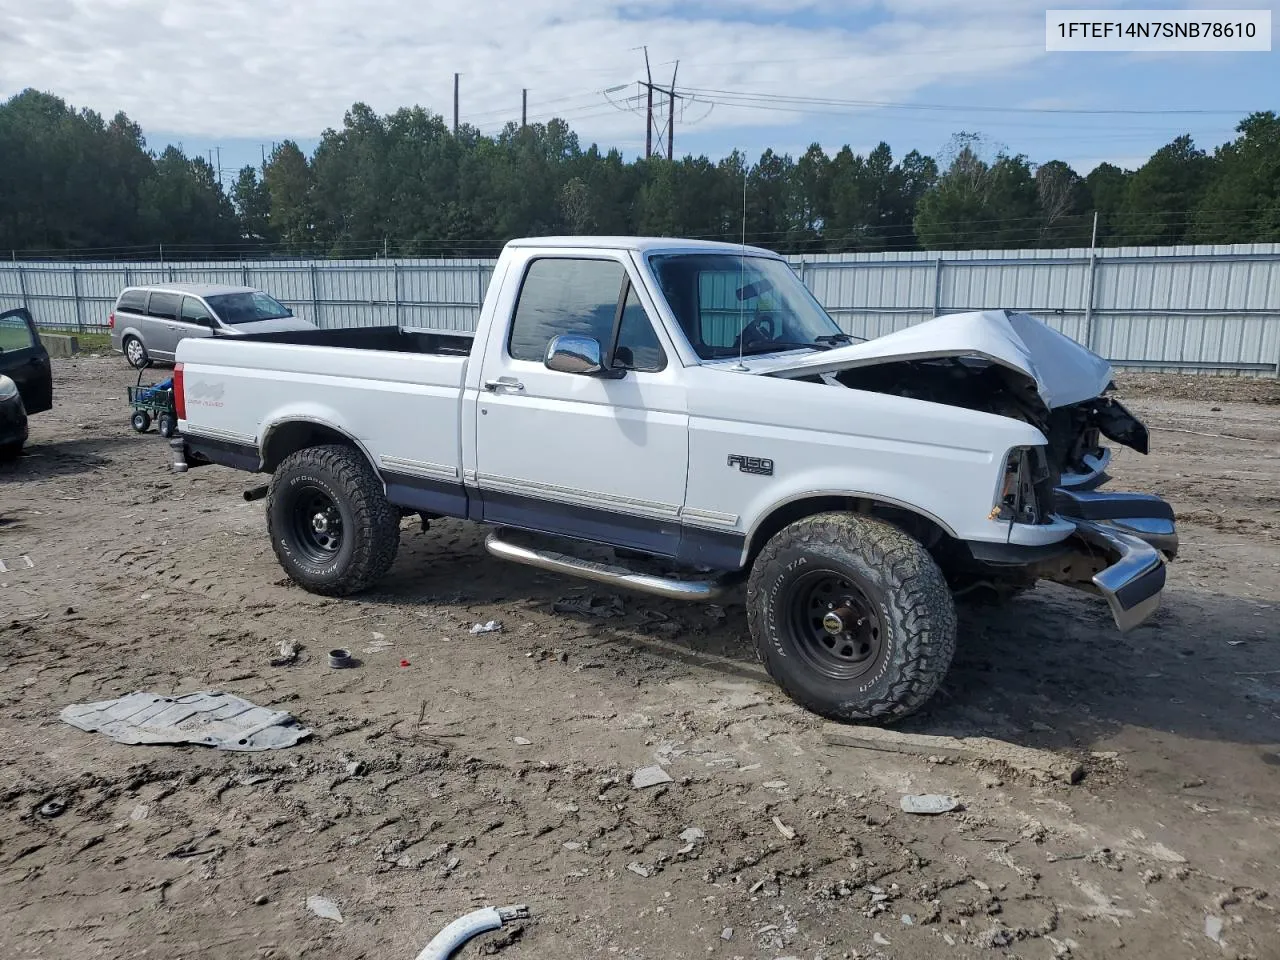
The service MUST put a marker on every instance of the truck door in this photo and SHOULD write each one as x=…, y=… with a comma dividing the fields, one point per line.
x=585, y=456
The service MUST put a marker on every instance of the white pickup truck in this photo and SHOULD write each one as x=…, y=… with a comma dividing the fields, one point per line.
x=676, y=417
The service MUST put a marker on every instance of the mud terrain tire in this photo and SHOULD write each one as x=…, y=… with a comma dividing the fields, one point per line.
x=331, y=526
x=852, y=617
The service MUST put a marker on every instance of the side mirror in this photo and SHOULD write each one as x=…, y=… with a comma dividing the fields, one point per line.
x=574, y=353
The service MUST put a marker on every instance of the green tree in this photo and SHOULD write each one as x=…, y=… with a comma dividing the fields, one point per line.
x=1242, y=203
x=253, y=204
x=1161, y=194
x=289, y=183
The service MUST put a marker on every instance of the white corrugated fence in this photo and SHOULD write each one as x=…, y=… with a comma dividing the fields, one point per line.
x=1196, y=308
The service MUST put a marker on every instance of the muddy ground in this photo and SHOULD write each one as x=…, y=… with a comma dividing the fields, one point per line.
x=414, y=801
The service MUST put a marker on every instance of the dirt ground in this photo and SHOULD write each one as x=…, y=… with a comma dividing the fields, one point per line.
x=449, y=770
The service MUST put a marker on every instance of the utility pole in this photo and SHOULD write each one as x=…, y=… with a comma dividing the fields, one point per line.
x=524, y=108
x=455, y=103
x=219, y=149
x=263, y=146
x=671, y=115
x=648, y=116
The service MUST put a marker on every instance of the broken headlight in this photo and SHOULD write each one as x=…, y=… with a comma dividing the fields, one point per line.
x=1026, y=487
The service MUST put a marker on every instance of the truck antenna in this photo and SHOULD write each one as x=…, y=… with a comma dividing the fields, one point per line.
x=742, y=272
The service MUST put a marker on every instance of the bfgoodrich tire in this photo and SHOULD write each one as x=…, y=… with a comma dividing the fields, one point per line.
x=851, y=617
x=331, y=526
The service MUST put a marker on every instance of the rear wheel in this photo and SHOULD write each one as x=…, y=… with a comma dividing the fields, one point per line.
x=140, y=421
x=135, y=352
x=167, y=425
x=331, y=526
x=852, y=617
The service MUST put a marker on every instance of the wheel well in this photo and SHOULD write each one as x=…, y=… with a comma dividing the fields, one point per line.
x=289, y=438
x=924, y=529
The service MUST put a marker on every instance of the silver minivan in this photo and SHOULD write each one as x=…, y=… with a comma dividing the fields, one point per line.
x=148, y=322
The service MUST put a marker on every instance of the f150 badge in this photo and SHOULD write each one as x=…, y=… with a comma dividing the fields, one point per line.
x=757, y=465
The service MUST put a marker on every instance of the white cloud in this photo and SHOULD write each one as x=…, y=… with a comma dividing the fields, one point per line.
x=272, y=68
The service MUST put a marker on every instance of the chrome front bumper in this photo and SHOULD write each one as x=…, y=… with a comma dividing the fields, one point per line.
x=1120, y=548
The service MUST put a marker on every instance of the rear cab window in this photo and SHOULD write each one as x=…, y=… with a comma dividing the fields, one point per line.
x=593, y=298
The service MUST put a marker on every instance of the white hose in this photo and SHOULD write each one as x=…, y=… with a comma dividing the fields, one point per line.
x=444, y=943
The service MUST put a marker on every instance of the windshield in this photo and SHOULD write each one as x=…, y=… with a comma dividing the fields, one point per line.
x=247, y=307
x=727, y=302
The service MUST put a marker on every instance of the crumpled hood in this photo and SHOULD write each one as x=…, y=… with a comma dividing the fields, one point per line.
x=1064, y=372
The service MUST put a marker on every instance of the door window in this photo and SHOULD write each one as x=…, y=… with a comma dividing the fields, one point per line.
x=193, y=311
x=565, y=296
x=15, y=334
x=638, y=347
x=164, y=306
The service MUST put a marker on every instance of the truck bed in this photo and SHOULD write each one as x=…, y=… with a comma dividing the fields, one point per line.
x=389, y=339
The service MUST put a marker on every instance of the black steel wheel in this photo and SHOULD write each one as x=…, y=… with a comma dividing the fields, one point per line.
x=316, y=523
x=835, y=628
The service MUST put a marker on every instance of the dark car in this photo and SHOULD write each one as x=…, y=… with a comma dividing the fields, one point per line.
x=26, y=379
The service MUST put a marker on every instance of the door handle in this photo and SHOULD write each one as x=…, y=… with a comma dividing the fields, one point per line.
x=503, y=383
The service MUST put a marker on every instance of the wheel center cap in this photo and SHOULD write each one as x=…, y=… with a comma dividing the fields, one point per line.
x=320, y=523
x=833, y=623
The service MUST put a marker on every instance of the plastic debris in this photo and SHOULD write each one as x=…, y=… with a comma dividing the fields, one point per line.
x=445, y=943
x=880, y=940
x=53, y=808
x=340, y=659
x=930, y=804
x=783, y=829
x=647, y=777
x=692, y=835
x=1213, y=929
x=207, y=718
x=493, y=626
x=324, y=908
x=726, y=933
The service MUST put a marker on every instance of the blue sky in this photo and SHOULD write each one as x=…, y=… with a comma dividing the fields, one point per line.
x=251, y=72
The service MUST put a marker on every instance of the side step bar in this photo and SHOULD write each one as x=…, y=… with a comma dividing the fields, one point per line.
x=616, y=576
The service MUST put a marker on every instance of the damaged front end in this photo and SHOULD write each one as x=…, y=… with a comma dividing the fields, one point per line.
x=1013, y=365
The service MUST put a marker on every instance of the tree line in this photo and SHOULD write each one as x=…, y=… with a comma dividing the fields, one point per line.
x=405, y=184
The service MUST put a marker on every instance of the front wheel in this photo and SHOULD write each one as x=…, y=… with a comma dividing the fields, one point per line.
x=168, y=425
x=331, y=526
x=852, y=617
x=140, y=421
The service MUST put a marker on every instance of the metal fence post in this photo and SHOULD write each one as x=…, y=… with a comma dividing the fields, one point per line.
x=937, y=287
x=22, y=286
x=395, y=278
x=75, y=289
x=244, y=274
x=315, y=292
x=1088, y=303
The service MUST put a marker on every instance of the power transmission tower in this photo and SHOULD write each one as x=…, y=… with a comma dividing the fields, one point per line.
x=653, y=122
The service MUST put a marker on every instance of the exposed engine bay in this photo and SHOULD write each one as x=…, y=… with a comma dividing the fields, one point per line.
x=1073, y=431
